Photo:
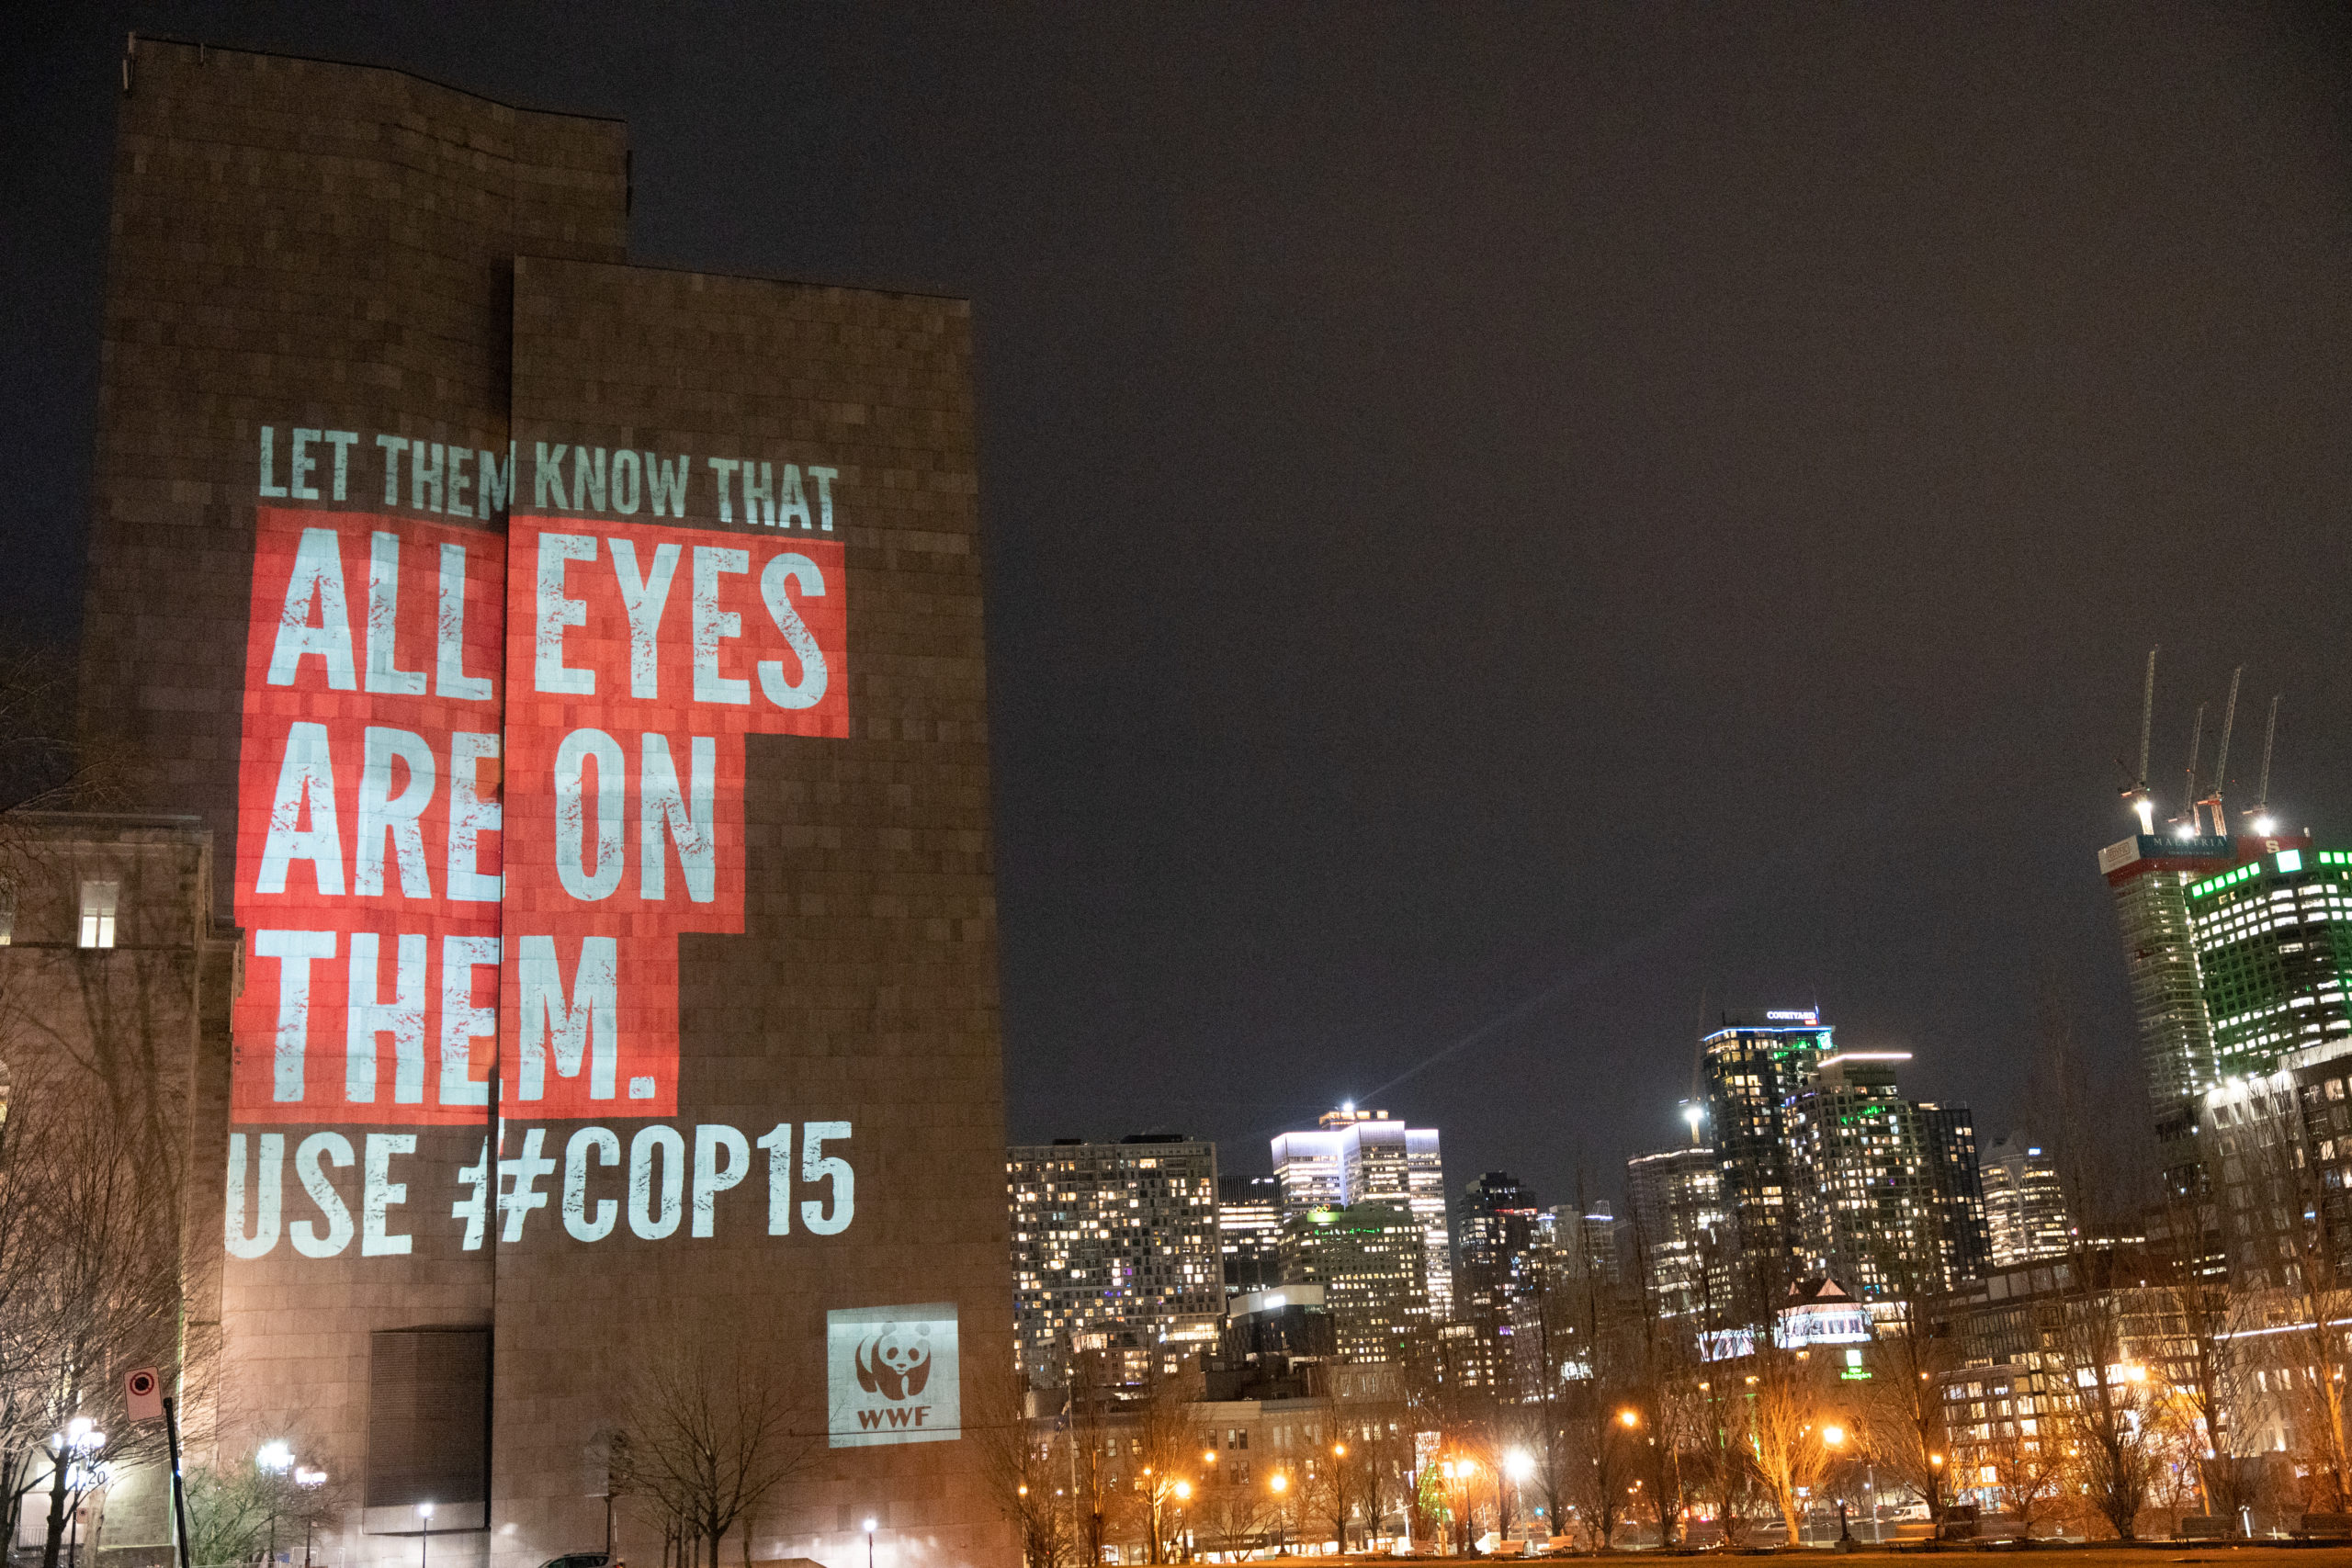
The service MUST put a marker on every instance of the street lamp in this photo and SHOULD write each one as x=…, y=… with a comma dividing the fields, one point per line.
x=1339, y=1492
x=1184, y=1517
x=1279, y=1484
x=869, y=1540
x=274, y=1458
x=80, y=1438
x=1834, y=1435
x=308, y=1478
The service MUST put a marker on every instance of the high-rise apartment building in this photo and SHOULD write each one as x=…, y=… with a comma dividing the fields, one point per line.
x=1749, y=1068
x=1675, y=1198
x=2282, y=1147
x=1112, y=1235
x=1949, y=1133
x=1368, y=1156
x=1869, y=1208
x=2274, y=951
x=1249, y=1231
x=2025, y=1209
x=1371, y=1261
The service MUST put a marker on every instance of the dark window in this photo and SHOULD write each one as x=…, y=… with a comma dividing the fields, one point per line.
x=428, y=1416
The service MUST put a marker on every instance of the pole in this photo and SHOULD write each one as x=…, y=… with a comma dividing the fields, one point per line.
x=179, y=1489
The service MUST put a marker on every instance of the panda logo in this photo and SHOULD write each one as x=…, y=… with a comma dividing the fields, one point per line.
x=894, y=1364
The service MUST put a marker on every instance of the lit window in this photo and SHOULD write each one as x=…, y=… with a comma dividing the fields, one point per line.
x=97, y=913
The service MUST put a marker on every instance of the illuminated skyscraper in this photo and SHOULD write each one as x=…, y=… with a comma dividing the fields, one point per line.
x=1116, y=1236
x=1867, y=1207
x=1499, y=1231
x=2025, y=1211
x=1950, y=1133
x=1750, y=1069
x=2149, y=877
x=1368, y=1156
x=2273, y=948
x=1675, y=1199
x=1370, y=1260
x=1249, y=1231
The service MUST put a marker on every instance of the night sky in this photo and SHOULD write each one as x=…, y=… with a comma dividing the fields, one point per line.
x=1510, y=529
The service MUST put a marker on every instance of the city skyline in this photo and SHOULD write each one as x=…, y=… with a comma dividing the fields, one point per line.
x=1792, y=457
x=1094, y=786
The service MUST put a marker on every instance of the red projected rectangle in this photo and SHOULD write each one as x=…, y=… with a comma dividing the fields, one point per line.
x=442, y=881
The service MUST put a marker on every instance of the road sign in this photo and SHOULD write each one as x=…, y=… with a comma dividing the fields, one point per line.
x=143, y=1392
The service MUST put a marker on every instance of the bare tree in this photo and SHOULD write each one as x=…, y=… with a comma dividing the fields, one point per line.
x=45, y=764
x=92, y=1287
x=1025, y=1476
x=709, y=1435
x=2021, y=1462
x=1721, y=1457
x=1094, y=1488
x=2209, y=1375
x=2107, y=1395
x=237, y=1513
x=1231, y=1513
x=1666, y=1399
x=1380, y=1457
x=1905, y=1420
x=1169, y=1441
x=1786, y=1416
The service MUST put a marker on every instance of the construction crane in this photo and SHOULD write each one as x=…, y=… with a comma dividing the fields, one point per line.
x=2138, y=797
x=2196, y=739
x=2221, y=757
x=2263, y=824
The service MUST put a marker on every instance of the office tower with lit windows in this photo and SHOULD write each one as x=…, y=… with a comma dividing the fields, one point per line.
x=1368, y=1156
x=1112, y=1236
x=2274, y=950
x=1250, y=1233
x=1749, y=1068
x=1675, y=1202
x=2025, y=1210
x=1371, y=1261
x=1868, y=1208
x=1496, y=1223
x=1500, y=1234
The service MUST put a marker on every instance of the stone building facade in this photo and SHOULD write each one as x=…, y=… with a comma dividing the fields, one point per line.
x=578, y=671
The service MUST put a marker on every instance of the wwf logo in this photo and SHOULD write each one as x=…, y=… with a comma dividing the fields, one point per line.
x=893, y=1363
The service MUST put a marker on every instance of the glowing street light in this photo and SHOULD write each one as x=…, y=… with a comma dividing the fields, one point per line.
x=309, y=1478
x=424, y=1541
x=870, y=1523
x=1629, y=1419
x=1834, y=1435
x=1519, y=1465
